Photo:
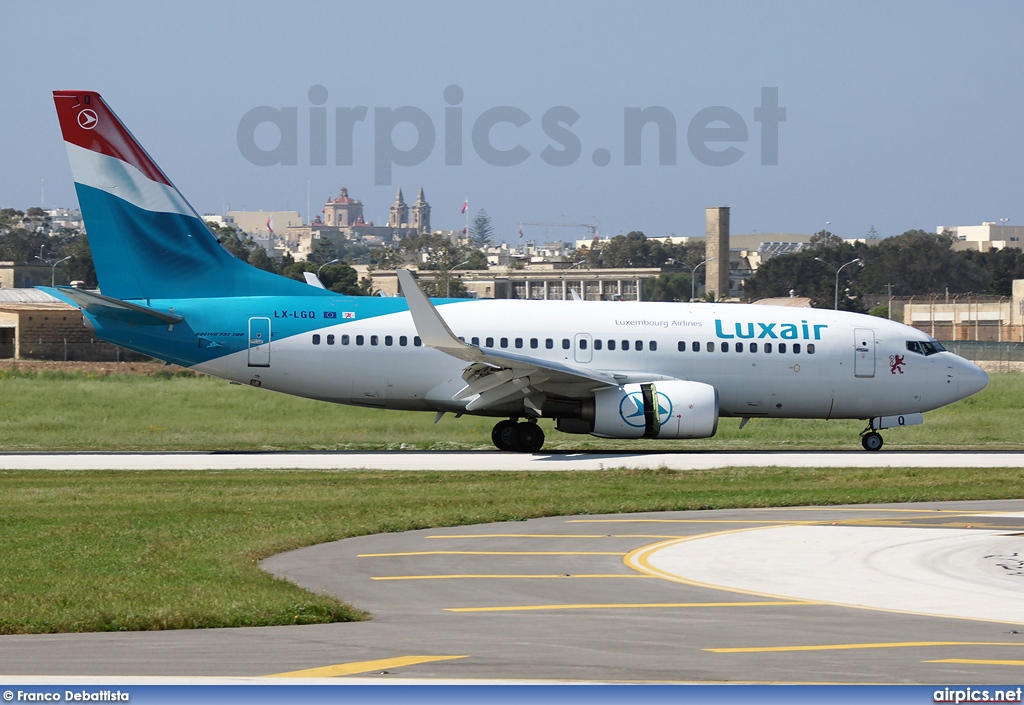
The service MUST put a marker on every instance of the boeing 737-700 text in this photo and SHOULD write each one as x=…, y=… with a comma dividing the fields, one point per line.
x=611, y=369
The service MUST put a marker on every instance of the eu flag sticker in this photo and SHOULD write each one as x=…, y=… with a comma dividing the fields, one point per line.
x=330, y=314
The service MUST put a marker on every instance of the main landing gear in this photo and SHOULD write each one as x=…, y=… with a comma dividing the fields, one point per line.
x=521, y=437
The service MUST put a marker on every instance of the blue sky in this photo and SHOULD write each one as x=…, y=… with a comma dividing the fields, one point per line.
x=899, y=115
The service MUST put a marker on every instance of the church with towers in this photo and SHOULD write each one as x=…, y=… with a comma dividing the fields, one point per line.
x=342, y=219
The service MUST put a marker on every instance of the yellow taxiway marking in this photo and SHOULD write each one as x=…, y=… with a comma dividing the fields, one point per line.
x=348, y=669
x=493, y=553
x=503, y=577
x=978, y=661
x=639, y=560
x=690, y=521
x=558, y=536
x=841, y=647
x=624, y=606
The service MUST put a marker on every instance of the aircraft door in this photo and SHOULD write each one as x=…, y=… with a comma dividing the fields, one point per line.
x=259, y=342
x=864, y=352
x=584, y=347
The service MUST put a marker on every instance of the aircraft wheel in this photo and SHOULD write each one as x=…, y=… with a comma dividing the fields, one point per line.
x=504, y=435
x=530, y=438
x=871, y=441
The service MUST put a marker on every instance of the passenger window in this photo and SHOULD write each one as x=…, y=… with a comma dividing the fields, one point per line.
x=725, y=347
x=696, y=346
x=796, y=348
x=416, y=342
x=583, y=343
x=597, y=344
x=344, y=339
x=767, y=347
x=625, y=345
x=711, y=347
x=503, y=342
x=403, y=340
x=782, y=347
x=566, y=344
x=475, y=340
x=519, y=342
x=489, y=343
x=374, y=340
x=611, y=344
x=654, y=345
x=739, y=347
x=810, y=348
x=316, y=339
x=639, y=345
x=534, y=343
x=549, y=343
x=389, y=340
x=330, y=339
x=681, y=346
x=359, y=340
x=753, y=347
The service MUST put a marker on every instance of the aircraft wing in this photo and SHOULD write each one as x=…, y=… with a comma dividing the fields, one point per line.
x=496, y=376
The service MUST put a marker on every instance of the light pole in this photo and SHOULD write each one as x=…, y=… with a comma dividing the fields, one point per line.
x=448, y=279
x=835, y=301
x=333, y=261
x=53, y=266
x=693, y=280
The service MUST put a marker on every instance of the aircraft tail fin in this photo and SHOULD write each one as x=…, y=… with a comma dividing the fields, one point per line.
x=146, y=240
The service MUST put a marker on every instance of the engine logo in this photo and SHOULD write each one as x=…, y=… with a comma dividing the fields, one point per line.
x=631, y=409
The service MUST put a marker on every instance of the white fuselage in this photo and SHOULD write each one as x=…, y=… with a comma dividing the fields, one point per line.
x=763, y=360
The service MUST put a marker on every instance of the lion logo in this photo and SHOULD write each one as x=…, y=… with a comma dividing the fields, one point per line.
x=896, y=363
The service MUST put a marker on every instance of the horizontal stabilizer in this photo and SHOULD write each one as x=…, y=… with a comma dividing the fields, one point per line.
x=106, y=307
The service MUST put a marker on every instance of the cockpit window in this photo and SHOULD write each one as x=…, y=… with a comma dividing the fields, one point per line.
x=925, y=347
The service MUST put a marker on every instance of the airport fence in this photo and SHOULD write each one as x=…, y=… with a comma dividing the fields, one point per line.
x=1007, y=355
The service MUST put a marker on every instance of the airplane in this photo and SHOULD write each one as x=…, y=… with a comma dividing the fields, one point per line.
x=621, y=370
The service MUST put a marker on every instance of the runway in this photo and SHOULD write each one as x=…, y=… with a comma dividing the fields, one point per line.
x=491, y=461
x=902, y=594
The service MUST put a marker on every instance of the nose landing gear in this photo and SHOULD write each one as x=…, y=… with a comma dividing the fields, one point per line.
x=871, y=440
x=521, y=437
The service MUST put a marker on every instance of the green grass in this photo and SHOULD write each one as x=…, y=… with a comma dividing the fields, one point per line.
x=108, y=551
x=74, y=411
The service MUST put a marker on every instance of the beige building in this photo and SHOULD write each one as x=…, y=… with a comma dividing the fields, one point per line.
x=36, y=326
x=26, y=276
x=967, y=317
x=984, y=237
x=343, y=221
x=545, y=283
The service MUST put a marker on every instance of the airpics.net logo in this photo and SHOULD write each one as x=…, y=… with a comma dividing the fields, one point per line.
x=716, y=136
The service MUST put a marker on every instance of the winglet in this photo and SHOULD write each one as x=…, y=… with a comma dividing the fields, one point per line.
x=432, y=329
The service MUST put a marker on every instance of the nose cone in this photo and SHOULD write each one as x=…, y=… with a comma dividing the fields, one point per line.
x=972, y=379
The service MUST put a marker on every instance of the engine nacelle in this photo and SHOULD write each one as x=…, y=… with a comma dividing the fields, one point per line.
x=672, y=409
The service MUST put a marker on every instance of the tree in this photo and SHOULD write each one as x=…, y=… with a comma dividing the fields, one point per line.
x=812, y=276
x=632, y=250
x=669, y=286
x=823, y=239
x=481, y=231
x=476, y=260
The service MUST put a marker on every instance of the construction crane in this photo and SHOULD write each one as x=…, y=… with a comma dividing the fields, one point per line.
x=592, y=227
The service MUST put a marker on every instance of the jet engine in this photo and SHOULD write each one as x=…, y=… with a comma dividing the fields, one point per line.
x=672, y=409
